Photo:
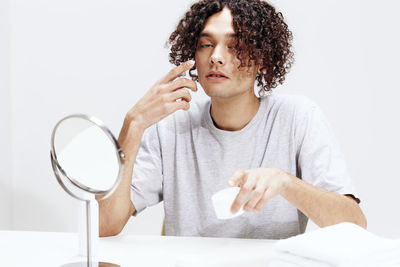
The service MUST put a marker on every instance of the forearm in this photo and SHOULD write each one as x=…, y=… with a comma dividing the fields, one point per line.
x=115, y=211
x=323, y=207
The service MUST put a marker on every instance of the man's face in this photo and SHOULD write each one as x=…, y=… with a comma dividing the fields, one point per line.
x=216, y=61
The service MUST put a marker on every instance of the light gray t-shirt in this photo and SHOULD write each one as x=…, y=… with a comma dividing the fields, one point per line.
x=184, y=159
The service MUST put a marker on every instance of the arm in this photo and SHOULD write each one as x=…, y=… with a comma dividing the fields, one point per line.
x=159, y=102
x=321, y=206
x=115, y=211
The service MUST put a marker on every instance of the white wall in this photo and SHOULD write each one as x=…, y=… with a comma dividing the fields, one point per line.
x=5, y=119
x=100, y=57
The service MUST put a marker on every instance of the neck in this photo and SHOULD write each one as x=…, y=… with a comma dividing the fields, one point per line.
x=233, y=114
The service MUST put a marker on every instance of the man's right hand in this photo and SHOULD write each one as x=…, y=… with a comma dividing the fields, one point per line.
x=164, y=98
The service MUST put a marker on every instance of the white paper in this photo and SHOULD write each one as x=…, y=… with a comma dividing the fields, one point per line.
x=222, y=202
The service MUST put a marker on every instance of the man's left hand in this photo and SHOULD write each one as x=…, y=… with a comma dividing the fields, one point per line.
x=264, y=183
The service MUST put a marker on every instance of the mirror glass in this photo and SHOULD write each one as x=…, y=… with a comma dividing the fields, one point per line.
x=86, y=154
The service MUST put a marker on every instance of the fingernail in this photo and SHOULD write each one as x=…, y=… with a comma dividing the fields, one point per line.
x=231, y=183
x=190, y=63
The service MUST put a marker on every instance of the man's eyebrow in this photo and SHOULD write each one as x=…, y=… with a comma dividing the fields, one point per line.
x=207, y=34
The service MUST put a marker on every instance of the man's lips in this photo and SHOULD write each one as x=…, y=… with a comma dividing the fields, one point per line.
x=216, y=76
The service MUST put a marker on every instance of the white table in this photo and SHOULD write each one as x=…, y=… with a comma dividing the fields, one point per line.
x=23, y=248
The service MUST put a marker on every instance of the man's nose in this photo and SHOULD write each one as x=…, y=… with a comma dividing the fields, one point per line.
x=217, y=57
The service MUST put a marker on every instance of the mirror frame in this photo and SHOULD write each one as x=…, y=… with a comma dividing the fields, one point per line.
x=59, y=170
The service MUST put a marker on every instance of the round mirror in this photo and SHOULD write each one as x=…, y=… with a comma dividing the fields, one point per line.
x=86, y=153
x=86, y=160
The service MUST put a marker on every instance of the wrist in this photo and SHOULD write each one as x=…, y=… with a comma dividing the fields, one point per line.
x=133, y=120
x=130, y=135
x=286, y=182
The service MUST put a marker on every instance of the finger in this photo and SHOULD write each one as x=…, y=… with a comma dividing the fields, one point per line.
x=178, y=105
x=266, y=197
x=182, y=94
x=245, y=190
x=177, y=71
x=182, y=83
x=236, y=177
x=258, y=193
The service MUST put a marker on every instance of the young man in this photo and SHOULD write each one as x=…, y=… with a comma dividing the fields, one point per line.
x=278, y=149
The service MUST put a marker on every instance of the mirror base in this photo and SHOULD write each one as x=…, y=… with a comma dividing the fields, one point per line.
x=90, y=264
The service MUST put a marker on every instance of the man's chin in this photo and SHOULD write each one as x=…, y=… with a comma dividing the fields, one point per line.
x=216, y=90
x=218, y=94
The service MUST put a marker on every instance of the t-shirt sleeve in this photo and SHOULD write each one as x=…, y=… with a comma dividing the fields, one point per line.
x=319, y=157
x=147, y=177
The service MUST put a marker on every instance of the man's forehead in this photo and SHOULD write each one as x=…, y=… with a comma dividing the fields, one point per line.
x=219, y=24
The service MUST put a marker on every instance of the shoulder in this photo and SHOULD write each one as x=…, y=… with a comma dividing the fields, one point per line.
x=285, y=107
x=291, y=103
x=298, y=107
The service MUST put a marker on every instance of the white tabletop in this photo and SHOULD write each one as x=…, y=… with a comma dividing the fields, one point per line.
x=22, y=248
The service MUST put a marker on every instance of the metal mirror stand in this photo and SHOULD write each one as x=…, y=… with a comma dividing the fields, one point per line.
x=63, y=179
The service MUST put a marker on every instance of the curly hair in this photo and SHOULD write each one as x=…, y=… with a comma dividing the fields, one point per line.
x=263, y=38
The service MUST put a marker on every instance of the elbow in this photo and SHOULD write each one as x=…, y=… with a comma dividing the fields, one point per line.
x=107, y=230
x=362, y=221
x=109, y=226
x=356, y=214
x=358, y=217
x=108, y=233
x=112, y=224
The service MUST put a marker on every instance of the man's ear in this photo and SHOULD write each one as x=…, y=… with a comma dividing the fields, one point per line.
x=262, y=70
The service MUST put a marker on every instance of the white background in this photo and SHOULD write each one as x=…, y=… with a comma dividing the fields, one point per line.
x=99, y=57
